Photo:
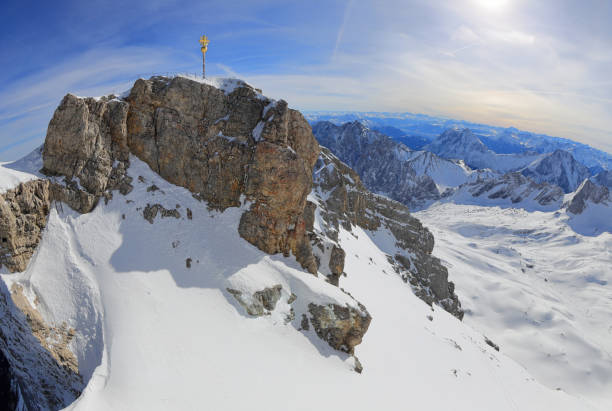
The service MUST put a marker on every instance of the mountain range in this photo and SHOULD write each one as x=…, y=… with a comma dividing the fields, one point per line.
x=419, y=129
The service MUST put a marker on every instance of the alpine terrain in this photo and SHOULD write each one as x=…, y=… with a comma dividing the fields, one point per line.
x=190, y=245
x=526, y=237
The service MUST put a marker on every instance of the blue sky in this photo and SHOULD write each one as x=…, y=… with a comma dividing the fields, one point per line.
x=541, y=66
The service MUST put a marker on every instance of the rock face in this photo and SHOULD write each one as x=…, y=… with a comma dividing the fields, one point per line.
x=588, y=192
x=86, y=143
x=41, y=381
x=23, y=216
x=388, y=167
x=560, y=168
x=344, y=201
x=221, y=143
x=342, y=327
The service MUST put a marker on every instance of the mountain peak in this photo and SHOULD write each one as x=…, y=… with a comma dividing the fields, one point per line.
x=560, y=168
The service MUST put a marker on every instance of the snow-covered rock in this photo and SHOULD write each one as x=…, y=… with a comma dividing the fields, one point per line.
x=558, y=167
x=414, y=178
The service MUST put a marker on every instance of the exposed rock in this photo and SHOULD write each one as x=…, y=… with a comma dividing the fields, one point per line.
x=218, y=145
x=587, y=192
x=87, y=142
x=342, y=327
x=43, y=383
x=336, y=263
x=151, y=211
x=344, y=201
x=261, y=302
x=305, y=324
x=559, y=168
x=188, y=262
x=54, y=339
x=261, y=149
x=491, y=344
x=23, y=216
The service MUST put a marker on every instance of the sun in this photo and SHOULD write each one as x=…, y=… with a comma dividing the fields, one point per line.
x=492, y=5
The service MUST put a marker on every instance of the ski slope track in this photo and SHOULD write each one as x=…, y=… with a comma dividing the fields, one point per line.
x=154, y=333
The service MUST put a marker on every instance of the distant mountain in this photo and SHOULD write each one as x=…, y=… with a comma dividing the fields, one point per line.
x=501, y=140
x=414, y=178
x=510, y=190
x=604, y=178
x=560, y=168
x=411, y=141
x=463, y=144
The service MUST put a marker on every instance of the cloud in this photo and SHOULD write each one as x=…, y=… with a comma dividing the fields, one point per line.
x=347, y=13
x=26, y=105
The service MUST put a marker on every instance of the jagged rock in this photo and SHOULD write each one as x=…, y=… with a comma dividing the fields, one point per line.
x=43, y=382
x=55, y=339
x=23, y=216
x=344, y=201
x=342, y=327
x=559, y=168
x=87, y=142
x=261, y=302
x=336, y=263
x=150, y=212
x=588, y=191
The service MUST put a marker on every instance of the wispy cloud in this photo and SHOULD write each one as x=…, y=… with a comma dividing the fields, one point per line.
x=345, y=18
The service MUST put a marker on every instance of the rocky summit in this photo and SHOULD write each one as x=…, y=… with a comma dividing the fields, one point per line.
x=229, y=146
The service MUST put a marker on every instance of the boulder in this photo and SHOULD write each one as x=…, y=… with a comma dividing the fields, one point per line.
x=341, y=327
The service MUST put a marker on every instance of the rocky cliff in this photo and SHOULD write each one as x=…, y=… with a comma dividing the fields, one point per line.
x=226, y=143
x=340, y=200
x=23, y=216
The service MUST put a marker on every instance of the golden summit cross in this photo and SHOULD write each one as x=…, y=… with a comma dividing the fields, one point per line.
x=204, y=42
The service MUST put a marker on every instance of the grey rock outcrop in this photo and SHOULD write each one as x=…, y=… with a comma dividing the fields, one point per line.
x=23, y=217
x=588, y=192
x=342, y=327
x=344, y=201
x=261, y=302
x=42, y=381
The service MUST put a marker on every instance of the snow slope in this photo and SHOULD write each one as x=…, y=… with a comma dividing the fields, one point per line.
x=155, y=334
x=535, y=287
x=20, y=171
